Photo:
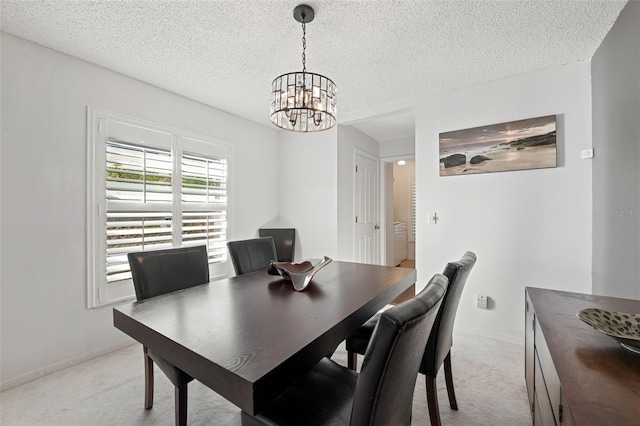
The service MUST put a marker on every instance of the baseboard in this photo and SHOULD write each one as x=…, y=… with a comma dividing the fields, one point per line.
x=508, y=338
x=41, y=372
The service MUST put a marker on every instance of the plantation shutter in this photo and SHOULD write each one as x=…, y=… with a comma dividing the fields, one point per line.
x=204, y=203
x=138, y=191
x=412, y=232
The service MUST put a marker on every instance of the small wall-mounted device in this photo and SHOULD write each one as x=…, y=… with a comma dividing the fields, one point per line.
x=481, y=301
x=587, y=153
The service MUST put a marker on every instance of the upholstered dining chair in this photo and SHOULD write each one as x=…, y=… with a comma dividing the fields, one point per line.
x=252, y=255
x=382, y=394
x=438, y=347
x=159, y=272
x=284, y=240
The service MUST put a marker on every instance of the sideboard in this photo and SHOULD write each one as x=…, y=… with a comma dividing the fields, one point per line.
x=576, y=375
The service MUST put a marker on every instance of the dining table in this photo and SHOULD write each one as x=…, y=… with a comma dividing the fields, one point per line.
x=250, y=336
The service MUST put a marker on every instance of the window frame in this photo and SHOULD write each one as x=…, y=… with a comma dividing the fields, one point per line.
x=99, y=291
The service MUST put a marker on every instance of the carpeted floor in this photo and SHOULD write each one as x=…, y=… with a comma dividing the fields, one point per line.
x=488, y=376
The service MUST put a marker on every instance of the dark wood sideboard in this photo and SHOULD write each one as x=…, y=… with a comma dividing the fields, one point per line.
x=576, y=375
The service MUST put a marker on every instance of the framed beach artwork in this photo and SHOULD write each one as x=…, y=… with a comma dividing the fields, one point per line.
x=516, y=145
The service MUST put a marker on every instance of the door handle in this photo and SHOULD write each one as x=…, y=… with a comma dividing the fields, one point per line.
x=376, y=227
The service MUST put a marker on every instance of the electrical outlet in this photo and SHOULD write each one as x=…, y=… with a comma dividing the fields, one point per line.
x=481, y=301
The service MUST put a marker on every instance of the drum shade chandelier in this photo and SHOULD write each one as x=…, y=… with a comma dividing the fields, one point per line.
x=303, y=101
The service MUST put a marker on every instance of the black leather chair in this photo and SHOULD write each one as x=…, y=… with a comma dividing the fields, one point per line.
x=159, y=272
x=284, y=239
x=438, y=348
x=252, y=255
x=382, y=394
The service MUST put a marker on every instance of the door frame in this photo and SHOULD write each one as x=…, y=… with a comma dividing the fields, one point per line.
x=383, y=201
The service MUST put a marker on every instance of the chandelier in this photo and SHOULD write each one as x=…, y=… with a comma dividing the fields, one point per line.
x=303, y=101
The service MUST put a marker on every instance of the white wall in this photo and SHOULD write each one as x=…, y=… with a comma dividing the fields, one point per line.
x=615, y=69
x=308, y=189
x=528, y=228
x=45, y=322
x=398, y=148
x=349, y=139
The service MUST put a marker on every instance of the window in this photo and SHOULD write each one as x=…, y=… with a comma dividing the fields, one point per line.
x=151, y=188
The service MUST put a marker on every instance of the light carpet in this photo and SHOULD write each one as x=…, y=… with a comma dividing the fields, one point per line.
x=109, y=390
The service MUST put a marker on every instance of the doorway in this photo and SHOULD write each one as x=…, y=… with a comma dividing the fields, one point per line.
x=394, y=133
x=399, y=211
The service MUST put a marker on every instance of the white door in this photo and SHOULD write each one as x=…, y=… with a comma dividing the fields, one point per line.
x=367, y=210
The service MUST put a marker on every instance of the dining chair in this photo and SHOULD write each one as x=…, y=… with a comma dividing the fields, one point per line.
x=382, y=394
x=252, y=255
x=159, y=272
x=284, y=240
x=438, y=348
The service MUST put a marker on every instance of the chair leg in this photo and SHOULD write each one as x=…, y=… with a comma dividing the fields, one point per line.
x=352, y=360
x=181, y=405
x=432, y=401
x=448, y=377
x=148, y=381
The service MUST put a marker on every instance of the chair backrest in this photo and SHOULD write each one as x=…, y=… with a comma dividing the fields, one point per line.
x=252, y=255
x=384, y=392
x=163, y=271
x=284, y=239
x=441, y=338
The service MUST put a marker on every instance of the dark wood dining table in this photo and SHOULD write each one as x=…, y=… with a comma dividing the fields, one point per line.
x=248, y=337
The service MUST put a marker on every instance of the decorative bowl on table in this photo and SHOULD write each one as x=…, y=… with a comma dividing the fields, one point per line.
x=299, y=273
x=623, y=327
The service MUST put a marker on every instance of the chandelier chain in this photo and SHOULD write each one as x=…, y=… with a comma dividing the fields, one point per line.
x=304, y=45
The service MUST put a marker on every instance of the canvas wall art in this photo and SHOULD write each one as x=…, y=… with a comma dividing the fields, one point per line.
x=516, y=145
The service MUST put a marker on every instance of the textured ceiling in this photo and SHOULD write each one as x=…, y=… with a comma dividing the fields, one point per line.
x=380, y=53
